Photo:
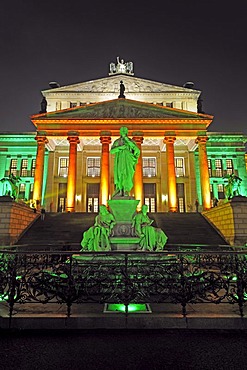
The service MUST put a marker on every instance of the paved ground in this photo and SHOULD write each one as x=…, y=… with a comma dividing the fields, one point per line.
x=125, y=349
x=91, y=316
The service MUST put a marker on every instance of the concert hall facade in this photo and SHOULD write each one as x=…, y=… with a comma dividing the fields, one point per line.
x=65, y=164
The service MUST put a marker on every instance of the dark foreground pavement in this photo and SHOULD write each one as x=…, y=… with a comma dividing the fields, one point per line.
x=125, y=349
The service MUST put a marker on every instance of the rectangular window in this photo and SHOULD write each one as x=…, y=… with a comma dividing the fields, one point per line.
x=93, y=197
x=220, y=191
x=31, y=191
x=150, y=202
x=93, y=166
x=229, y=166
x=179, y=167
x=181, y=205
x=149, y=166
x=33, y=167
x=218, y=168
x=63, y=166
x=58, y=105
x=150, y=196
x=169, y=105
x=13, y=167
x=24, y=164
x=211, y=194
x=210, y=167
x=72, y=104
x=22, y=190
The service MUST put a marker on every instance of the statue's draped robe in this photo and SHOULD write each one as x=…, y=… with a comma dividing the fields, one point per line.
x=124, y=164
x=151, y=238
x=96, y=238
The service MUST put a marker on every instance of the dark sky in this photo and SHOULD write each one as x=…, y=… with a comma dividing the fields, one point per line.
x=168, y=41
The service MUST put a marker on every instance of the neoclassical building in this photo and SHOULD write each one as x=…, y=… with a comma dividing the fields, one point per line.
x=66, y=165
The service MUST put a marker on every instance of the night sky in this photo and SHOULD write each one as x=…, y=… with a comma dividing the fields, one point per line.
x=168, y=41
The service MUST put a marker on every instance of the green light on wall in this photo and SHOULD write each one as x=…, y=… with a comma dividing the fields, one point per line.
x=132, y=308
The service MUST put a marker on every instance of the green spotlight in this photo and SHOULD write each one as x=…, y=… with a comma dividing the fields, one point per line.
x=132, y=308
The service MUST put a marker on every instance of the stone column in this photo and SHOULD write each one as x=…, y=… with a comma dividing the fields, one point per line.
x=171, y=174
x=105, y=140
x=138, y=177
x=39, y=170
x=204, y=174
x=71, y=185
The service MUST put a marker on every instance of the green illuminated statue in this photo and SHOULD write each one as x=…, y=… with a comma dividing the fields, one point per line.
x=96, y=238
x=10, y=186
x=233, y=187
x=126, y=156
x=151, y=238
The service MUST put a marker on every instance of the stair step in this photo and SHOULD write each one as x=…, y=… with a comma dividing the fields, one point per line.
x=67, y=228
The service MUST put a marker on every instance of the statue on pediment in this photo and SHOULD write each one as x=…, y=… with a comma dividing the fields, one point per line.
x=121, y=67
x=43, y=105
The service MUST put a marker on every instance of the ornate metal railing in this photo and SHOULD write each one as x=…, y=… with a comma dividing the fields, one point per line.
x=123, y=277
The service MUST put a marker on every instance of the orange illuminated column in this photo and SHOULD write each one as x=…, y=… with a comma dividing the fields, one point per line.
x=138, y=177
x=204, y=173
x=104, y=175
x=39, y=170
x=71, y=185
x=172, y=189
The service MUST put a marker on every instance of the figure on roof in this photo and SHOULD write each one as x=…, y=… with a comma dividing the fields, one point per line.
x=121, y=67
x=43, y=105
x=122, y=90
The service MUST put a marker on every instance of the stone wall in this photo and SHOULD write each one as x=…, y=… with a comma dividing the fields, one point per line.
x=14, y=219
x=230, y=219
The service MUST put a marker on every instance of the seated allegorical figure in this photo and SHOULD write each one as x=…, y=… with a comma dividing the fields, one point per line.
x=151, y=238
x=96, y=238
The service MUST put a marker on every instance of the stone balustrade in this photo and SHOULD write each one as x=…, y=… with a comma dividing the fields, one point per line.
x=14, y=219
x=230, y=219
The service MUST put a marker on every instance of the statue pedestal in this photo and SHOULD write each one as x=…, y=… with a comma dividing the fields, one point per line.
x=123, y=211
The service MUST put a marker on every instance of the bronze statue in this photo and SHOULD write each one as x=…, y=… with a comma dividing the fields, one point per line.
x=122, y=90
x=151, y=238
x=126, y=156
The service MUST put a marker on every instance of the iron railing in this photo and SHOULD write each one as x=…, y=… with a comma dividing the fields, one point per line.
x=123, y=277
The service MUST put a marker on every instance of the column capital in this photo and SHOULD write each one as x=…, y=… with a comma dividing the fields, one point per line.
x=105, y=139
x=73, y=139
x=41, y=139
x=201, y=140
x=138, y=137
x=169, y=139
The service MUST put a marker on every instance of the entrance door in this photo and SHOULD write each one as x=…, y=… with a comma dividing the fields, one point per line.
x=181, y=198
x=62, y=197
x=93, y=198
x=150, y=197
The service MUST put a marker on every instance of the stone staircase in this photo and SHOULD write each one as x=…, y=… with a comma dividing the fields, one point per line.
x=188, y=228
x=58, y=231
x=63, y=231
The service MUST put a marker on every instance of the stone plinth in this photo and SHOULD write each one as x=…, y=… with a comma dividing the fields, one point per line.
x=14, y=219
x=123, y=210
x=230, y=219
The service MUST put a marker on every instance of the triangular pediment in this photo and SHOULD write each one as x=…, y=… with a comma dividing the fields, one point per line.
x=121, y=108
x=111, y=85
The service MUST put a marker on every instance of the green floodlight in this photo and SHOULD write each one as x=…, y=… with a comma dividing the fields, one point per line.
x=132, y=308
